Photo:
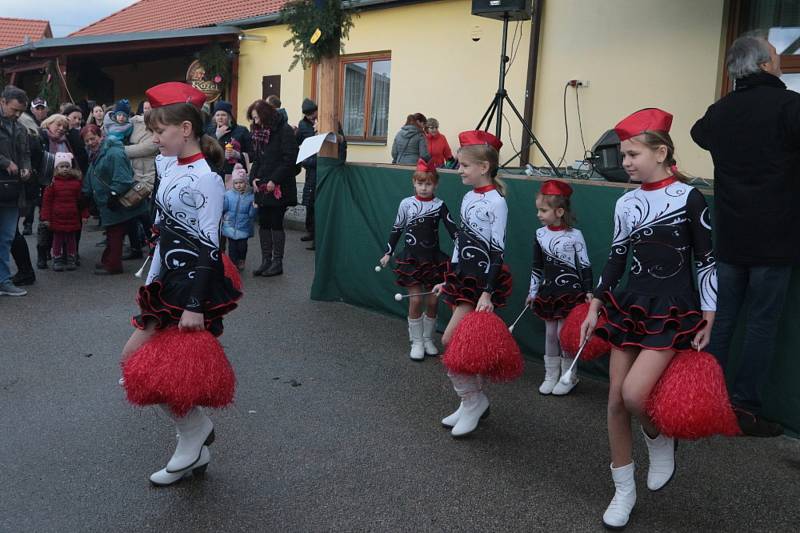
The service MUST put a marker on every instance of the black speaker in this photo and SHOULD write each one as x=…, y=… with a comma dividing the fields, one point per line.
x=499, y=9
x=607, y=158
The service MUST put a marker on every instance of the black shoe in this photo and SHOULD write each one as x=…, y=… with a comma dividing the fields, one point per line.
x=71, y=263
x=754, y=425
x=275, y=269
x=307, y=237
x=58, y=264
x=27, y=229
x=104, y=272
x=41, y=263
x=24, y=278
x=265, y=265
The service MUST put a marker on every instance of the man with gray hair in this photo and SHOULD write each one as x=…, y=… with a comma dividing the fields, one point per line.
x=15, y=168
x=753, y=135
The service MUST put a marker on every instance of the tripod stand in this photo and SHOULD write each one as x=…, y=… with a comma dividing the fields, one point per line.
x=500, y=97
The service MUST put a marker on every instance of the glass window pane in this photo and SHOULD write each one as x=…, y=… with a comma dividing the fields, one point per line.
x=379, y=107
x=355, y=84
x=792, y=81
x=780, y=17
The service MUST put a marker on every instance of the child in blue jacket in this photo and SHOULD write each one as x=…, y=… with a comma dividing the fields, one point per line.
x=238, y=213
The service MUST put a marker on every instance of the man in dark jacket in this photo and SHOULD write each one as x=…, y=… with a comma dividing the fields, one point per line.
x=305, y=129
x=753, y=135
x=15, y=169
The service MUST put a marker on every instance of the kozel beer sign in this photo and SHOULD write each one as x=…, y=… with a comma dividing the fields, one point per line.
x=196, y=77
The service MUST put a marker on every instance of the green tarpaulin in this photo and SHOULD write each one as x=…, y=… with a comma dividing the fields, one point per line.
x=356, y=206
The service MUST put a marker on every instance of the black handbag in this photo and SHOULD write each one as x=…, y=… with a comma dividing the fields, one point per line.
x=10, y=188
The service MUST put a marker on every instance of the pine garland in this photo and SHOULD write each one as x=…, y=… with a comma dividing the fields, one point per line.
x=50, y=86
x=215, y=61
x=305, y=17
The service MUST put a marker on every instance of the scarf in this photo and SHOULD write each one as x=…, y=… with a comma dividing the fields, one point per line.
x=57, y=143
x=259, y=136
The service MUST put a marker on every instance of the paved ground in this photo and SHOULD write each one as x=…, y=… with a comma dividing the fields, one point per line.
x=334, y=429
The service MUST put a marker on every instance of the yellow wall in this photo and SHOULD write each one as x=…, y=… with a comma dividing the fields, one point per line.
x=635, y=53
x=258, y=59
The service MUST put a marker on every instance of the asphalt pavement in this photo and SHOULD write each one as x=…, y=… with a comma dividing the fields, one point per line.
x=333, y=429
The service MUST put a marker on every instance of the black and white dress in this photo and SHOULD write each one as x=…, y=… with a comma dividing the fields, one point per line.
x=421, y=262
x=562, y=274
x=477, y=263
x=187, y=272
x=667, y=227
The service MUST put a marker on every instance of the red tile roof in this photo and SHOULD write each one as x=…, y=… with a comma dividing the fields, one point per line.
x=14, y=31
x=162, y=15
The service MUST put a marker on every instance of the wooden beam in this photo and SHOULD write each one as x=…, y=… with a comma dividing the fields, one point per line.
x=328, y=119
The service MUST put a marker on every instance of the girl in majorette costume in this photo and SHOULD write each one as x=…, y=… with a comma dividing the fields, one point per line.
x=561, y=278
x=421, y=264
x=665, y=224
x=477, y=279
x=186, y=285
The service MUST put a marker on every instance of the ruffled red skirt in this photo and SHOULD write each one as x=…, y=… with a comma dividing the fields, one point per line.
x=650, y=322
x=557, y=307
x=411, y=272
x=460, y=289
x=162, y=302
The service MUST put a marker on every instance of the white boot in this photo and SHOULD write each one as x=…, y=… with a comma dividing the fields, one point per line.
x=194, y=431
x=560, y=389
x=451, y=420
x=474, y=403
x=619, y=510
x=428, y=330
x=415, y=328
x=661, y=451
x=163, y=478
x=552, y=371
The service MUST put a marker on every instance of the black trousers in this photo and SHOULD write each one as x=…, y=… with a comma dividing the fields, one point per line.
x=237, y=249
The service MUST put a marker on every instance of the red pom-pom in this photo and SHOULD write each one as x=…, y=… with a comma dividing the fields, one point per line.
x=571, y=335
x=182, y=370
x=232, y=273
x=690, y=400
x=482, y=344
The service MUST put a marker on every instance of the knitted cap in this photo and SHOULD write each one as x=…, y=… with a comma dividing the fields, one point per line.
x=309, y=106
x=239, y=173
x=61, y=158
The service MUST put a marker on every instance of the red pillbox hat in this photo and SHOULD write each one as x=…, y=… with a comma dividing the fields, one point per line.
x=477, y=137
x=556, y=188
x=649, y=119
x=174, y=92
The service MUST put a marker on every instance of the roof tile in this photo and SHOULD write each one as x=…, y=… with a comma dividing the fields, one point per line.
x=14, y=31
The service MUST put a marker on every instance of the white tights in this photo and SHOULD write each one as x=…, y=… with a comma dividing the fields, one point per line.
x=552, y=345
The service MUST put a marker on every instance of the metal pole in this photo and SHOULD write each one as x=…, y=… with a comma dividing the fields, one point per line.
x=501, y=91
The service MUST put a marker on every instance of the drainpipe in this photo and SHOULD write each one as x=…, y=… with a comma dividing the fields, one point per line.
x=530, y=84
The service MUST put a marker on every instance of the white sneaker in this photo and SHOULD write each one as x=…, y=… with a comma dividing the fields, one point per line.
x=194, y=431
x=428, y=330
x=561, y=389
x=415, y=329
x=552, y=371
x=619, y=510
x=163, y=478
x=661, y=451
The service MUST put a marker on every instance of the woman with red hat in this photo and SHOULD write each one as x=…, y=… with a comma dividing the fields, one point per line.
x=477, y=280
x=421, y=264
x=186, y=286
x=560, y=279
x=665, y=224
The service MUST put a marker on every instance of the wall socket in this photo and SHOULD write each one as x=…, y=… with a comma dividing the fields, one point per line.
x=578, y=83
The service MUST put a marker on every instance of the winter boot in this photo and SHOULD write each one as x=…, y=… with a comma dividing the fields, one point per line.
x=619, y=510
x=58, y=264
x=415, y=329
x=279, y=242
x=265, y=237
x=552, y=372
x=162, y=478
x=560, y=389
x=428, y=330
x=661, y=451
x=194, y=431
x=71, y=263
x=474, y=403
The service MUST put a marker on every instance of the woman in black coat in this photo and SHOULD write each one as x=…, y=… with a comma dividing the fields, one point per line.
x=273, y=177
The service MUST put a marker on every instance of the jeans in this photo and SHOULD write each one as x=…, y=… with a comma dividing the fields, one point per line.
x=8, y=227
x=237, y=250
x=766, y=286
